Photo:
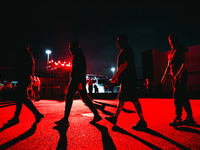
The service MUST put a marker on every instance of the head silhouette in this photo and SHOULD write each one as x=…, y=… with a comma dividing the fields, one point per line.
x=122, y=41
x=74, y=47
x=173, y=41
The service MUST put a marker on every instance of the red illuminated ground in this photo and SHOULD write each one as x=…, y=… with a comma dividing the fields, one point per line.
x=82, y=135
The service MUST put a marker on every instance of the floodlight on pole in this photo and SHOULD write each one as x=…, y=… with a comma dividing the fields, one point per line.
x=48, y=52
x=113, y=70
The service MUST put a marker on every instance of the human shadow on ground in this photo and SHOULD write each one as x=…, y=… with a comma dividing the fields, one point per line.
x=157, y=134
x=150, y=145
x=21, y=137
x=188, y=128
x=103, y=105
x=7, y=125
x=62, y=130
x=108, y=143
x=102, y=109
x=6, y=104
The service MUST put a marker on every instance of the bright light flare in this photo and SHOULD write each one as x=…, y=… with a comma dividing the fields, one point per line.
x=48, y=51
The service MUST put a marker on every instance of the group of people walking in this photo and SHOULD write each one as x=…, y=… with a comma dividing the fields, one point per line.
x=125, y=76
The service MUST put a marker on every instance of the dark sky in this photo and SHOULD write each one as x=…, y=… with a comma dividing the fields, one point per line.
x=96, y=27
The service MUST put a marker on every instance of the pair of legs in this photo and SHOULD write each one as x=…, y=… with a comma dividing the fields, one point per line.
x=36, y=93
x=127, y=93
x=22, y=98
x=137, y=105
x=73, y=88
x=181, y=99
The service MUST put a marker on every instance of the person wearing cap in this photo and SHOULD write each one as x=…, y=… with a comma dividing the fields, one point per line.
x=177, y=66
x=78, y=83
x=126, y=77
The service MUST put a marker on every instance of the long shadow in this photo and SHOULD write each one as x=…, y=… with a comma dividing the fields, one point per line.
x=108, y=143
x=6, y=104
x=188, y=129
x=195, y=125
x=7, y=125
x=155, y=133
x=105, y=104
x=102, y=109
x=23, y=136
x=120, y=130
x=62, y=143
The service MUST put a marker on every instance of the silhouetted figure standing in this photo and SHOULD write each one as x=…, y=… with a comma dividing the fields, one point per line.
x=177, y=65
x=96, y=90
x=126, y=76
x=36, y=88
x=78, y=83
x=147, y=87
x=90, y=87
x=24, y=67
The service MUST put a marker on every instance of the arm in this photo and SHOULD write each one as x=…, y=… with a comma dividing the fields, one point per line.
x=165, y=73
x=119, y=71
x=183, y=67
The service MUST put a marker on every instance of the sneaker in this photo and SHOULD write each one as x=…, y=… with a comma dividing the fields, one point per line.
x=63, y=121
x=112, y=119
x=189, y=121
x=176, y=122
x=140, y=125
x=13, y=121
x=96, y=119
x=38, y=117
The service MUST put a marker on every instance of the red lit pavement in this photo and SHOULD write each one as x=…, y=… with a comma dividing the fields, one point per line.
x=81, y=135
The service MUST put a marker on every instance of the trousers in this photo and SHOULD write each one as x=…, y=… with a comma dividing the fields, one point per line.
x=73, y=88
x=181, y=99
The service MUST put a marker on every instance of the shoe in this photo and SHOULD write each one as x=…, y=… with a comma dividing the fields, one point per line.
x=140, y=125
x=112, y=119
x=13, y=121
x=38, y=117
x=96, y=119
x=63, y=121
x=189, y=121
x=176, y=122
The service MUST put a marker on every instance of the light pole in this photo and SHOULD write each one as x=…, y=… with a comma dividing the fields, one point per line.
x=48, y=52
x=113, y=70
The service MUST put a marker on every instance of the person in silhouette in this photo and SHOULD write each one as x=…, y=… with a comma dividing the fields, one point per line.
x=78, y=83
x=23, y=68
x=90, y=87
x=96, y=90
x=126, y=76
x=36, y=88
x=147, y=87
x=177, y=65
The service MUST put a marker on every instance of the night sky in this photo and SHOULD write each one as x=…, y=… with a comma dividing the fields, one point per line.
x=96, y=27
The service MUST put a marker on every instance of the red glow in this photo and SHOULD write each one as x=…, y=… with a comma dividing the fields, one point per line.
x=55, y=65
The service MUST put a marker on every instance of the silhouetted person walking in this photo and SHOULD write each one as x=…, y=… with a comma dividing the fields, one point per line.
x=126, y=76
x=24, y=67
x=177, y=65
x=78, y=83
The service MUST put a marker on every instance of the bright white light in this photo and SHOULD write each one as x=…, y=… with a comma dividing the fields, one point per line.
x=113, y=69
x=48, y=52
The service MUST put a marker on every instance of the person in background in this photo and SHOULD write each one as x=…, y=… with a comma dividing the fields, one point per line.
x=36, y=88
x=177, y=66
x=96, y=90
x=78, y=83
x=147, y=87
x=90, y=86
x=126, y=77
